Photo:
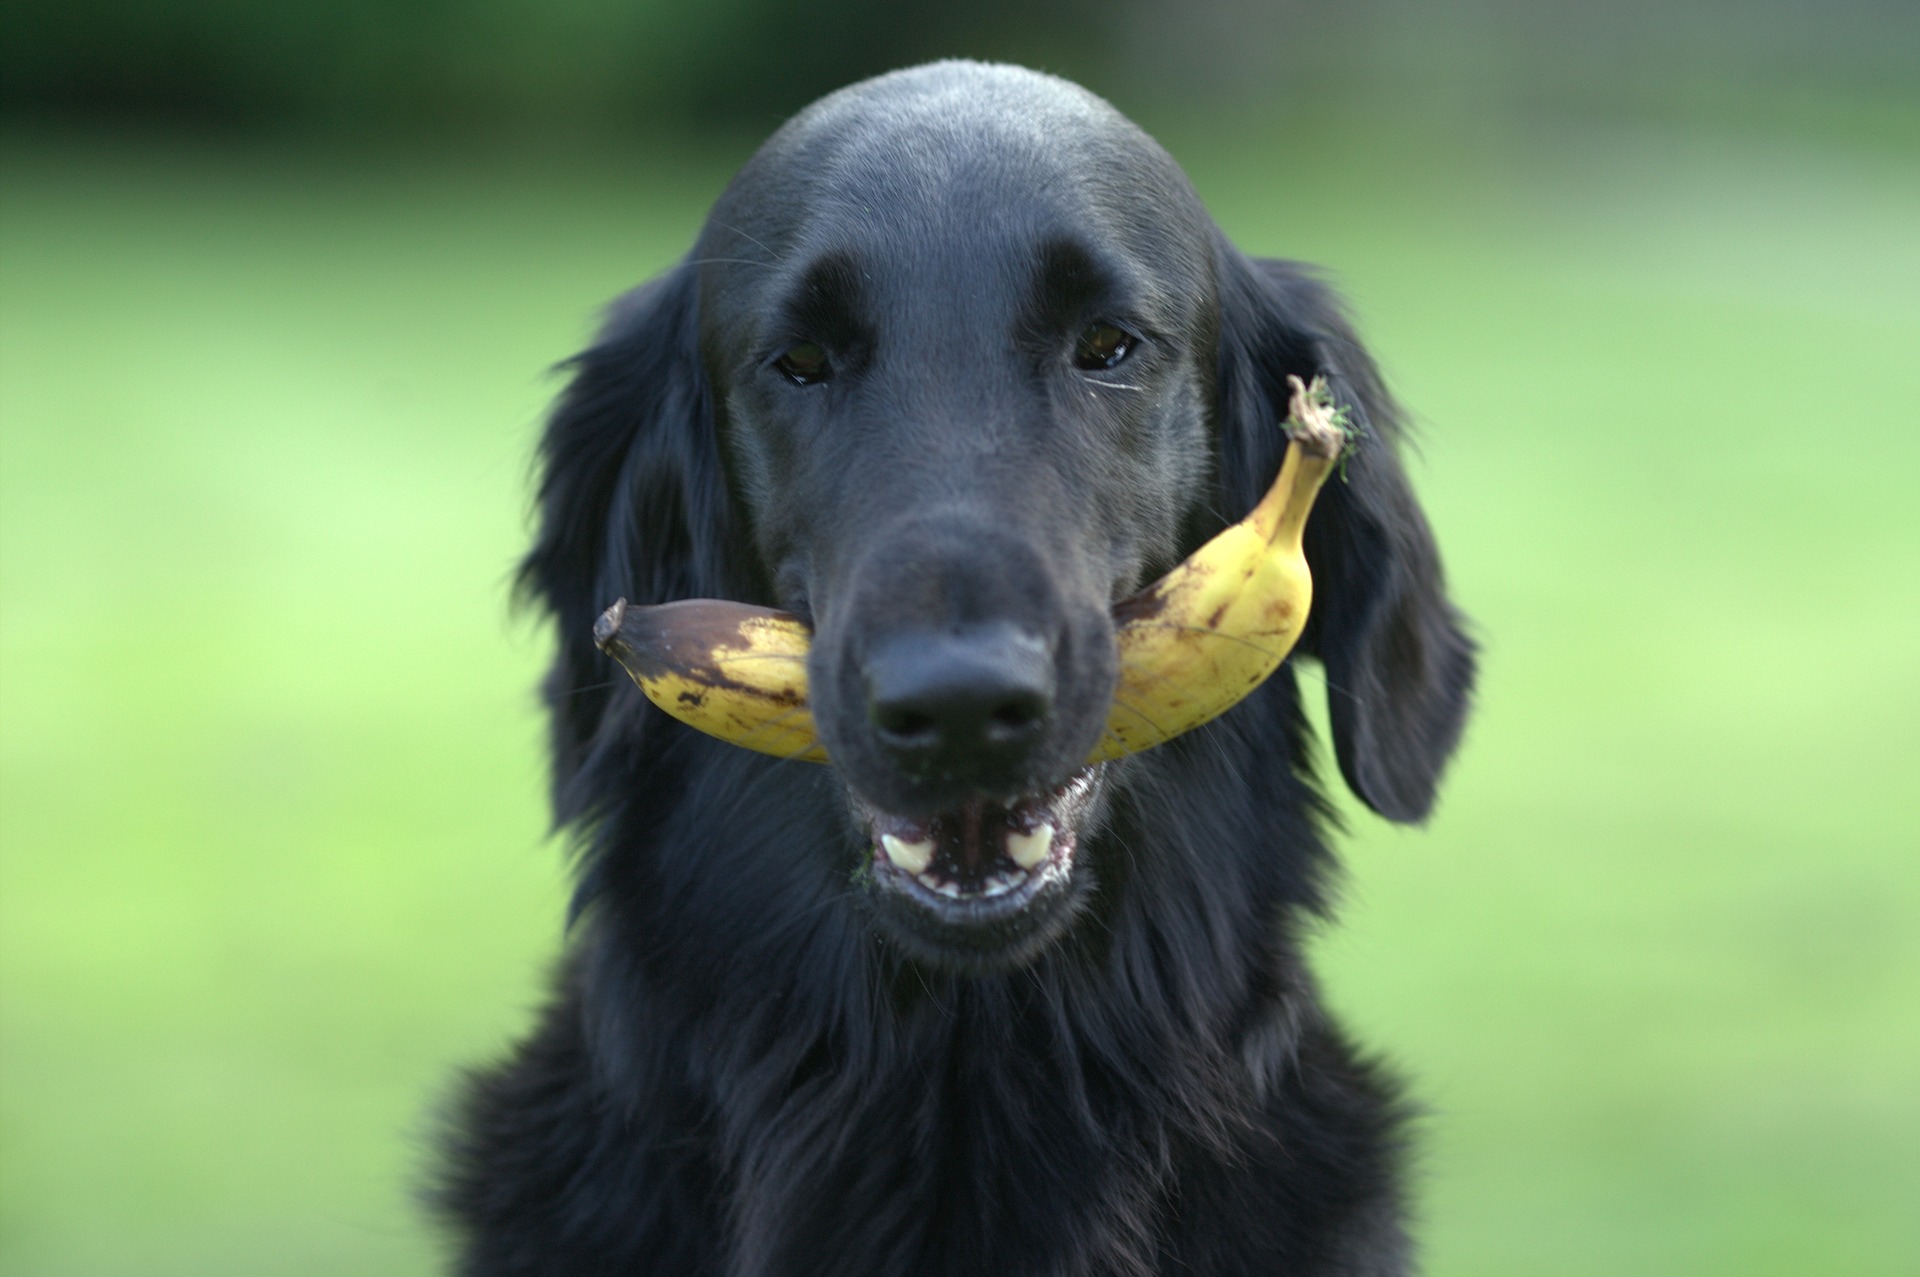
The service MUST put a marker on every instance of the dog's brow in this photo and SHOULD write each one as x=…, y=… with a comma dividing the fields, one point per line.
x=827, y=301
x=1069, y=282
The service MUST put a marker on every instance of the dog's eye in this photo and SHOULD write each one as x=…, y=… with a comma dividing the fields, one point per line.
x=803, y=364
x=1102, y=346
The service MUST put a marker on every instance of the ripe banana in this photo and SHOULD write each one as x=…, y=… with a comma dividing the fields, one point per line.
x=732, y=670
x=1191, y=645
x=1199, y=639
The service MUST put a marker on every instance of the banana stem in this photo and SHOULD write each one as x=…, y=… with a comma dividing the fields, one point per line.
x=1313, y=421
x=1315, y=438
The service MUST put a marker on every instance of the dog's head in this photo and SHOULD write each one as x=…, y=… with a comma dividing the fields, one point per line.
x=959, y=361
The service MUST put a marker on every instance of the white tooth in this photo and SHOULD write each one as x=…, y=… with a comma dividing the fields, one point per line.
x=1029, y=851
x=914, y=857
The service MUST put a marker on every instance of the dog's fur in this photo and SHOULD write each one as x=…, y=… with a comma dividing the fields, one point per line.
x=758, y=1059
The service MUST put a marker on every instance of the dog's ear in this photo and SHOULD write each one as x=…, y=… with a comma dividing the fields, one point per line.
x=1399, y=665
x=632, y=502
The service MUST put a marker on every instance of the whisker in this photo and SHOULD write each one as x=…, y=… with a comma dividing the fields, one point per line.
x=743, y=235
x=932, y=997
x=591, y=687
x=1139, y=667
x=1107, y=733
x=1201, y=629
x=1320, y=672
x=727, y=261
x=1141, y=714
x=832, y=900
x=796, y=754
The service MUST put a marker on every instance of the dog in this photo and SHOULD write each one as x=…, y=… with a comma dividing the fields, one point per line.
x=958, y=361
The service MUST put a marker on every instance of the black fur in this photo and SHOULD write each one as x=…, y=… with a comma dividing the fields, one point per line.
x=746, y=1068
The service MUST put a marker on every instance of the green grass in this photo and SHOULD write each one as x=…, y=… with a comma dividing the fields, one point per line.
x=271, y=858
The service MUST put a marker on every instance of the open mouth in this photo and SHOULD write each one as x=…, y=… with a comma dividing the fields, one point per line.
x=984, y=860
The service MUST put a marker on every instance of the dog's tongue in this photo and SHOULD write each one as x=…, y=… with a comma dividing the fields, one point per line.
x=971, y=838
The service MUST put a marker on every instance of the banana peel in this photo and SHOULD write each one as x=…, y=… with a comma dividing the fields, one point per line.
x=732, y=670
x=1191, y=645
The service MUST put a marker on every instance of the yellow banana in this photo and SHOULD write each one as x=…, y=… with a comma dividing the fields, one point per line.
x=732, y=670
x=1191, y=645
x=1198, y=640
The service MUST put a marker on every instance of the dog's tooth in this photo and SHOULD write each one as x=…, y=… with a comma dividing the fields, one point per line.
x=1029, y=851
x=914, y=857
x=940, y=886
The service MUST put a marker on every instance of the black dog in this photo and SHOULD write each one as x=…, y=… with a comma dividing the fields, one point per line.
x=958, y=361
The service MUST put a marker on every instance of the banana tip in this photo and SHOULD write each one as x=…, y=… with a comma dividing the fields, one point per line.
x=1313, y=421
x=609, y=624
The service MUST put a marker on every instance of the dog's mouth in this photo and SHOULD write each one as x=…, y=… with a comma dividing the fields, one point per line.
x=982, y=851
x=971, y=871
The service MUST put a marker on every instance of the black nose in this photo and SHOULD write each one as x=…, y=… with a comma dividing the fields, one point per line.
x=970, y=704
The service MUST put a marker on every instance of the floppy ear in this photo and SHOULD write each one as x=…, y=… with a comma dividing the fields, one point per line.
x=1399, y=665
x=632, y=504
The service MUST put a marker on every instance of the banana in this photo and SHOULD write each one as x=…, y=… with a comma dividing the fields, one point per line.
x=732, y=670
x=1191, y=645
x=1197, y=641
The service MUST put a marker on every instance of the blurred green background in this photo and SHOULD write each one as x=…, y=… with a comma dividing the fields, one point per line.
x=280, y=286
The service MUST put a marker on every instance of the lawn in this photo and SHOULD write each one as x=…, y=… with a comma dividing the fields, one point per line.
x=272, y=845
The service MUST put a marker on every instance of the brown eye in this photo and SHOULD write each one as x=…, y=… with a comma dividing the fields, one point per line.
x=803, y=364
x=1102, y=346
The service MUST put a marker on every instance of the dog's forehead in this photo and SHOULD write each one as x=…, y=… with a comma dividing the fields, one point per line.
x=955, y=157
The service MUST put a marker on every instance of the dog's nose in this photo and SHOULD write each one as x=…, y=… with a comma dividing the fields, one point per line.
x=966, y=704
